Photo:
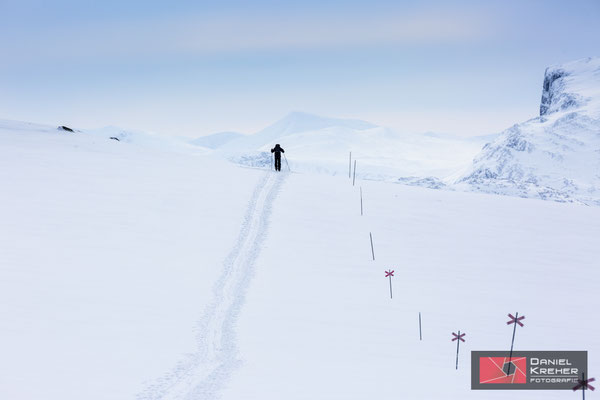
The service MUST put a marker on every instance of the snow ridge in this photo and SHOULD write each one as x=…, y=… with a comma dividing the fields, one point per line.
x=202, y=374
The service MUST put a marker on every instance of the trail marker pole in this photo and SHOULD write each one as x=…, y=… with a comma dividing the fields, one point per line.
x=584, y=385
x=287, y=163
x=372, y=251
x=389, y=274
x=513, y=320
x=420, y=331
x=361, y=202
x=350, y=166
x=458, y=337
x=354, y=175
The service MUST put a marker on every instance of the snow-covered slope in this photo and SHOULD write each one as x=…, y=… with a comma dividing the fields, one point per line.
x=108, y=253
x=138, y=139
x=319, y=323
x=319, y=144
x=556, y=155
x=216, y=140
x=129, y=271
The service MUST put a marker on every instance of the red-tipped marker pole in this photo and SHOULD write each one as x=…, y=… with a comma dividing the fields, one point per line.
x=389, y=274
x=584, y=385
x=513, y=320
x=458, y=337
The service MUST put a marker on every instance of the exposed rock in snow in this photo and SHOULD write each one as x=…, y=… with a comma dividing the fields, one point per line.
x=428, y=182
x=261, y=159
x=555, y=156
x=554, y=98
x=65, y=128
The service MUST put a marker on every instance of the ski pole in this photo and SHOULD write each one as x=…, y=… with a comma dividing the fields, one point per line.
x=287, y=163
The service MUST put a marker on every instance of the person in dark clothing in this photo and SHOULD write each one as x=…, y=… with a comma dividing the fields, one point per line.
x=277, y=150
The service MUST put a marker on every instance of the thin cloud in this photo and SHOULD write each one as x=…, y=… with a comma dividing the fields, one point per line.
x=202, y=35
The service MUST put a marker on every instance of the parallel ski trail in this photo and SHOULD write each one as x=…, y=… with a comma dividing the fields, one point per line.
x=202, y=374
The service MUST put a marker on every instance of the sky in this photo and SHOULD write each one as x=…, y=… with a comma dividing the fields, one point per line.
x=191, y=68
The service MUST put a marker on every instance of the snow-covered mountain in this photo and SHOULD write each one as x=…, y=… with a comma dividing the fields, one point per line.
x=319, y=144
x=556, y=155
x=291, y=125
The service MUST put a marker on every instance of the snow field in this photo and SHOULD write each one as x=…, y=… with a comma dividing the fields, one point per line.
x=319, y=323
x=127, y=271
x=109, y=252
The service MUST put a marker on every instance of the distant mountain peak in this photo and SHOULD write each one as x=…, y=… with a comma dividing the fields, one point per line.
x=298, y=121
x=295, y=122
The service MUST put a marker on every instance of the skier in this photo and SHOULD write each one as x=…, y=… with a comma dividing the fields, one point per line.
x=277, y=150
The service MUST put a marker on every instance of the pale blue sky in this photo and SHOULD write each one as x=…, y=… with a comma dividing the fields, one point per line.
x=192, y=68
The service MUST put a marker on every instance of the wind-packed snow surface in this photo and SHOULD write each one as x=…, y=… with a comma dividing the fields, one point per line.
x=555, y=156
x=128, y=272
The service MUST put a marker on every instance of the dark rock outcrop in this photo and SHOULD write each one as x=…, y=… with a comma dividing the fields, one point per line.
x=65, y=128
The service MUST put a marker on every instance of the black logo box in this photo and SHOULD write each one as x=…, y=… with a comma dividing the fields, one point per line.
x=577, y=359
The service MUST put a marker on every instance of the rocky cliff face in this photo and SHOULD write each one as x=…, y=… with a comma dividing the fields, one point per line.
x=555, y=156
x=553, y=91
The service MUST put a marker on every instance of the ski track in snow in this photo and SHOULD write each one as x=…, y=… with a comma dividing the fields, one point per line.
x=203, y=373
